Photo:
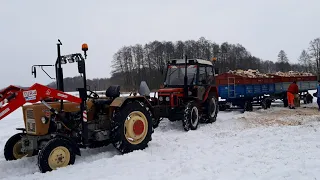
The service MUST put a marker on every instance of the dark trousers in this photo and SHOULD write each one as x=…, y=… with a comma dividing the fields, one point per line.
x=318, y=102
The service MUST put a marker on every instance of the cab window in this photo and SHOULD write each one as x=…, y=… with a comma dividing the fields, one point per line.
x=202, y=75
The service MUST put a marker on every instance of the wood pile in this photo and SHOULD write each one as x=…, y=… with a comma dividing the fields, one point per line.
x=250, y=73
x=293, y=74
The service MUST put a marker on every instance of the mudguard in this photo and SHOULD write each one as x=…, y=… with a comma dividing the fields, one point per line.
x=213, y=89
x=119, y=101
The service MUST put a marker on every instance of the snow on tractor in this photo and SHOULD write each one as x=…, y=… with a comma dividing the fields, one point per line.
x=58, y=124
x=189, y=93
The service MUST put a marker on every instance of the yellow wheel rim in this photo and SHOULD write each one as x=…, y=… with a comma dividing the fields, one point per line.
x=17, y=150
x=136, y=127
x=59, y=157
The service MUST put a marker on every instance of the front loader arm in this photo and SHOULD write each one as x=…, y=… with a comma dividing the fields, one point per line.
x=35, y=93
x=6, y=94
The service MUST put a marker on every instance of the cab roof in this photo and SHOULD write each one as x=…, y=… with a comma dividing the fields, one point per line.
x=190, y=61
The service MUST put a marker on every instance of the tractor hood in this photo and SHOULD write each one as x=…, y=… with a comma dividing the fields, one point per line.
x=170, y=90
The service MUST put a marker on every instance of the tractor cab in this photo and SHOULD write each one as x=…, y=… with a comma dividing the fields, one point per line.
x=199, y=72
x=189, y=83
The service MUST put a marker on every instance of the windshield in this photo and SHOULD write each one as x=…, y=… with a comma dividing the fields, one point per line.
x=175, y=75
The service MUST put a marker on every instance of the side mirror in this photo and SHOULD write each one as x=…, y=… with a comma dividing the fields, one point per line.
x=34, y=72
x=81, y=68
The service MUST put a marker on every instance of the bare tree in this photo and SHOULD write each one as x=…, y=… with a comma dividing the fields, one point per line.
x=315, y=53
x=304, y=60
x=283, y=61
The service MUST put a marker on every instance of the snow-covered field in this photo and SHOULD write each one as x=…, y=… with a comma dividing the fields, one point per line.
x=277, y=143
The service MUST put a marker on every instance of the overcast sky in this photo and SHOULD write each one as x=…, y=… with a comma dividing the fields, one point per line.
x=29, y=29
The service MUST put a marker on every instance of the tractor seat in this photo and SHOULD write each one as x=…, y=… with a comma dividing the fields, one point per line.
x=111, y=93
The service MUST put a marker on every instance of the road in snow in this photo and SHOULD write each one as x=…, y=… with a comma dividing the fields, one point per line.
x=262, y=144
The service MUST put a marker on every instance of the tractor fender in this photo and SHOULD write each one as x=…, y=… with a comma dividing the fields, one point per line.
x=72, y=143
x=119, y=101
x=211, y=89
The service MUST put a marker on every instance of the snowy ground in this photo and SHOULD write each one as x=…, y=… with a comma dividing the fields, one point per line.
x=277, y=143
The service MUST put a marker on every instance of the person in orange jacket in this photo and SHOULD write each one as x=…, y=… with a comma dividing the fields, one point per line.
x=291, y=92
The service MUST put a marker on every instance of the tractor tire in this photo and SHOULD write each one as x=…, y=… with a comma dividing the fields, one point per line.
x=12, y=148
x=57, y=153
x=212, y=109
x=131, y=127
x=156, y=122
x=222, y=107
x=191, y=117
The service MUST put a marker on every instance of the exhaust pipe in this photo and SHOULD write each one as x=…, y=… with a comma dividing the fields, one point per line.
x=185, y=79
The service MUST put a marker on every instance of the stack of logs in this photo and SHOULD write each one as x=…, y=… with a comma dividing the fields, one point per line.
x=256, y=74
x=250, y=73
x=293, y=74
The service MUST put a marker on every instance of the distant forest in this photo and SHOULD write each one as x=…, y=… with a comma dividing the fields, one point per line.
x=136, y=63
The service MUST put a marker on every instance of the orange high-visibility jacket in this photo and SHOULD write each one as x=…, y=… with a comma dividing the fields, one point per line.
x=293, y=88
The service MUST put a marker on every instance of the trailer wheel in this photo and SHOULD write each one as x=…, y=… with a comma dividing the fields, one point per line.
x=285, y=102
x=12, y=149
x=269, y=102
x=131, y=127
x=305, y=100
x=266, y=103
x=57, y=153
x=248, y=106
x=191, y=117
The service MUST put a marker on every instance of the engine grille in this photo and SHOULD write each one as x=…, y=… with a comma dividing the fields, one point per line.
x=164, y=102
x=30, y=121
x=30, y=114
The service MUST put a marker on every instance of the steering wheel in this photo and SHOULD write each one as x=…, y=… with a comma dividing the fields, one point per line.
x=93, y=95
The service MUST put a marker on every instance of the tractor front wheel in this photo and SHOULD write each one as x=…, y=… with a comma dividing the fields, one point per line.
x=12, y=149
x=191, y=117
x=131, y=127
x=57, y=153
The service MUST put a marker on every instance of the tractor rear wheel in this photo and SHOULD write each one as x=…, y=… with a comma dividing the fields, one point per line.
x=131, y=127
x=12, y=149
x=212, y=109
x=191, y=117
x=57, y=153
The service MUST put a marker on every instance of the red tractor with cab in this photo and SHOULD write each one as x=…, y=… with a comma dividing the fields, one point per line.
x=189, y=93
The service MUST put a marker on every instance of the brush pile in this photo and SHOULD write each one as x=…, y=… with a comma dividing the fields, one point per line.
x=249, y=73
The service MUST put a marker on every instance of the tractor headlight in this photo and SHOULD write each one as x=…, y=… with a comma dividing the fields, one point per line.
x=167, y=98
x=160, y=98
x=44, y=120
